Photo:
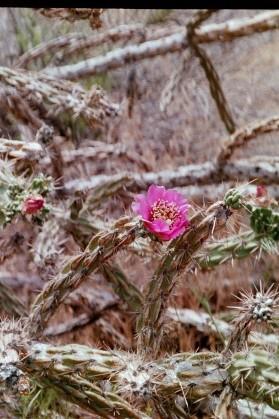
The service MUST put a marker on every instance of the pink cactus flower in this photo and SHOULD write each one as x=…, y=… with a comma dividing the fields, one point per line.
x=33, y=204
x=261, y=191
x=163, y=211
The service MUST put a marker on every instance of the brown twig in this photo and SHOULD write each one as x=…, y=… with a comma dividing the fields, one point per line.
x=242, y=135
x=72, y=14
x=209, y=70
x=78, y=322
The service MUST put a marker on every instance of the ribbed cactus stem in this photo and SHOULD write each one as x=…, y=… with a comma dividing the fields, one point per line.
x=91, y=397
x=255, y=375
x=215, y=326
x=81, y=373
x=234, y=247
x=178, y=255
x=101, y=247
x=127, y=291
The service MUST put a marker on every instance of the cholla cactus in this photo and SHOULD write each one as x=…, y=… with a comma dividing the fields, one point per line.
x=261, y=305
x=255, y=308
x=129, y=267
x=137, y=385
x=13, y=341
x=20, y=195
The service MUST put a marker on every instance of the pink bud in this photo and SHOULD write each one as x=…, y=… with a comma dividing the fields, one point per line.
x=33, y=204
x=261, y=191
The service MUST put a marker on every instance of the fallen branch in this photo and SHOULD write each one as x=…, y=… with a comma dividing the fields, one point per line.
x=78, y=322
x=19, y=280
x=77, y=43
x=242, y=135
x=33, y=151
x=48, y=47
x=208, y=33
x=216, y=327
x=213, y=192
x=265, y=169
x=21, y=150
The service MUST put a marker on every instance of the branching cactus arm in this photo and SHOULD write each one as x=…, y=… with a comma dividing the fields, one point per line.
x=101, y=247
x=179, y=254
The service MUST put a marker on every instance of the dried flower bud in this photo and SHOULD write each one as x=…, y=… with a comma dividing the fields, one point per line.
x=33, y=204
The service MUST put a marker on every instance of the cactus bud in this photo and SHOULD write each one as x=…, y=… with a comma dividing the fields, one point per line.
x=233, y=199
x=261, y=191
x=33, y=204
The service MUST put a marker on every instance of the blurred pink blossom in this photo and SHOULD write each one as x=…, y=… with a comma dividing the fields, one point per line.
x=261, y=191
x=163, y=211
x=33, y=204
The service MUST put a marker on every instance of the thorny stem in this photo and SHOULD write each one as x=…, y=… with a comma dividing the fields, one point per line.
x=79, y=371
x=72, y=14
x=178, y=255
x=76, y=43
x=93, y=105
x=234, y=247
x=264, y=169
x=100, y=248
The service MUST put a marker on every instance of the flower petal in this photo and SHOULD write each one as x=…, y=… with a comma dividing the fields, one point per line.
x=159, y=226
x=173, y=196
x=154, y=193
x=140, y=206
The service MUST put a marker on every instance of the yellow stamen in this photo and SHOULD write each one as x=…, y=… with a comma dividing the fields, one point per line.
x=164, y=210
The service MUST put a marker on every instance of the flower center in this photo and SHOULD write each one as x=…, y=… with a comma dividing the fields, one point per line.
x=164, y=210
